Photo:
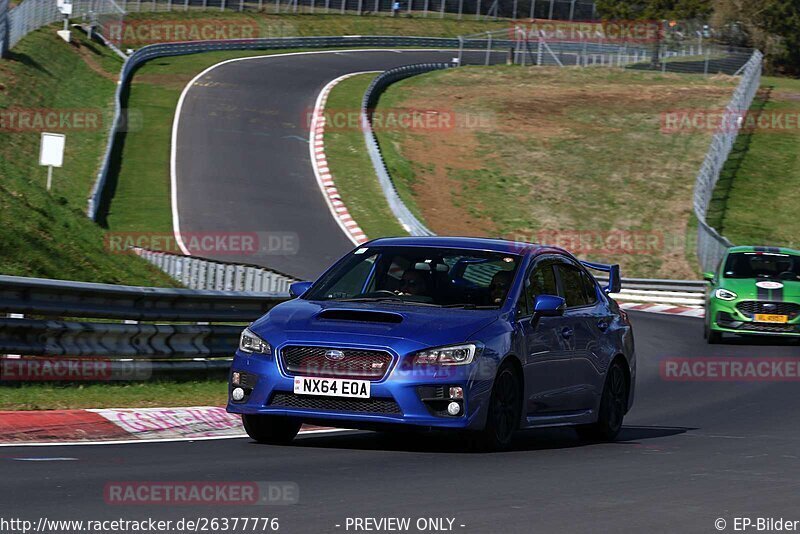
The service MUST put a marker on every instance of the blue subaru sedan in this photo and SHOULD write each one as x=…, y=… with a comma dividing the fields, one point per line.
x=482, y=336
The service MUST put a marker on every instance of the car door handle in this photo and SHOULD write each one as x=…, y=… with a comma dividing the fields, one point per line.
x=567, y=332
x=602, y=324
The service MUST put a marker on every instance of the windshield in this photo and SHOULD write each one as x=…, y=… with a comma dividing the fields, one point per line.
x=420, y=276
x=768, y=265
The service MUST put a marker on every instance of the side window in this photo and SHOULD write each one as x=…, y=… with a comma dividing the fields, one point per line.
x=589, y=288
x=541, y=282
x=572, y=285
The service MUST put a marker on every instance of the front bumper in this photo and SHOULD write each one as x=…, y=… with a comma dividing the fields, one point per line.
x=725, y=316
x=406, y=395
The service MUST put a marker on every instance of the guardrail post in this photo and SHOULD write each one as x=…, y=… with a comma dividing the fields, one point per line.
x=488, y=58
x=460, y=49
x=219, y=276
x=249, y=279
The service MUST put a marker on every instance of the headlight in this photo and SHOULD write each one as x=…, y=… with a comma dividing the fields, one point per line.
x=452, y=355
x=724, y=294
x=250, y=343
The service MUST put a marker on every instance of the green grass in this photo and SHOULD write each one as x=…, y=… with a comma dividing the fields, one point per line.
x=556, y=150
x=48, y=234
x=290, y=25
x=757, y=200
x=351, y=166
x=138, y=395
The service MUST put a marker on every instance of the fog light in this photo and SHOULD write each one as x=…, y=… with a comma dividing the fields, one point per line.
x=235, y=378
x=453, y=408
x=456, y=392
x=238, y=394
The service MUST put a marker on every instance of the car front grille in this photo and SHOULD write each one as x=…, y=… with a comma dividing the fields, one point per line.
x=751, y=307
x=336, y=404
x=358, y=364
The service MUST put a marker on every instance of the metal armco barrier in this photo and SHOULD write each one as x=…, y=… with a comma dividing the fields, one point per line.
x=407, y=219
x=128, y=350
x=677, y=292
x=64, y=338
x=199, y=273
x=61, y=298
x=131, y=350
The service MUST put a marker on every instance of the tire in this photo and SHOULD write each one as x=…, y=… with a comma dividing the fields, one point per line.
x=613, y=405
x=712, y=336
x=505, y=409
x=271, y=429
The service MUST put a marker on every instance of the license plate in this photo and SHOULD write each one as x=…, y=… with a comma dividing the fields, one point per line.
x=331, y=387
x=771, y=318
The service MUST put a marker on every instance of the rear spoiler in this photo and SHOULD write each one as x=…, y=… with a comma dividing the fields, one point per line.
x=614, y=280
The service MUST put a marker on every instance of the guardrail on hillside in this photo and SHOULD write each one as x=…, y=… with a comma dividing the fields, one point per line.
x=407, y=219
x=200, y=273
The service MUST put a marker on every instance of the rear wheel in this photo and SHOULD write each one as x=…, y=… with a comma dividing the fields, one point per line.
x=272, y=429
x=613, y=405
x=505, y=406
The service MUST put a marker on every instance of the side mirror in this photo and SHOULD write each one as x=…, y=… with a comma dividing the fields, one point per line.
x=614, y=280
x=299, y=288
x=549, y=306
x=708, y=277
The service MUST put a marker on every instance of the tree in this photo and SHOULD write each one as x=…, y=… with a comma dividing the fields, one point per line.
x=654, y=9
x=772, y=26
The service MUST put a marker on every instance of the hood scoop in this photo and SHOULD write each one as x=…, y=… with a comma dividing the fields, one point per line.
x=360, y=316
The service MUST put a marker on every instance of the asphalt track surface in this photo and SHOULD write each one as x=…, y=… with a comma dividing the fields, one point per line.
x=242, y=155
x=690, y=452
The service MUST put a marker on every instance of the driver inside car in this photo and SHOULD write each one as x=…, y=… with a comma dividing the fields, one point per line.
x=499, y=286
x=413, y=283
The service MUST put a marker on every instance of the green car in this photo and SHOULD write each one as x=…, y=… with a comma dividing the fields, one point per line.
x=755, y=291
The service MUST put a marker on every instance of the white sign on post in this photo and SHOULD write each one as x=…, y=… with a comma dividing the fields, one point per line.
x=52, y=153
x=64, y=6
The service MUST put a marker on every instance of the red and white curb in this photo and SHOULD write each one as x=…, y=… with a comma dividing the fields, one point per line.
x=123, y=425
x=685, y=311
x=319, y=162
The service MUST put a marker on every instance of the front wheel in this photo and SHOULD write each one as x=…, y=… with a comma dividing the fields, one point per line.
x=613, y=405
x=712, y=336
x=272, y=429
x=505, y=407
